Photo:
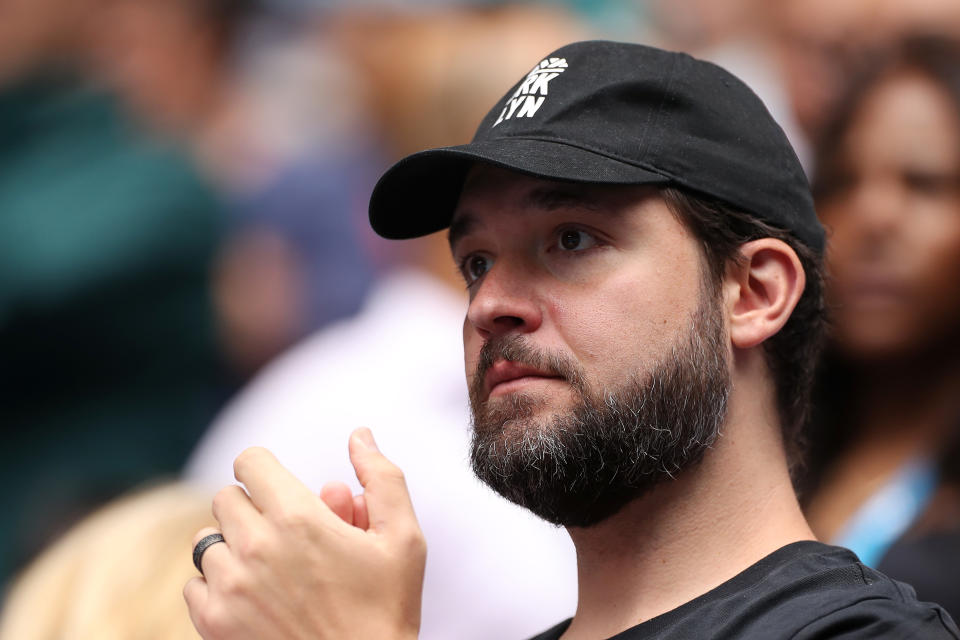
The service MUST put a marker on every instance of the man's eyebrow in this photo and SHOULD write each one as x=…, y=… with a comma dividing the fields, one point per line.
x=551, y=198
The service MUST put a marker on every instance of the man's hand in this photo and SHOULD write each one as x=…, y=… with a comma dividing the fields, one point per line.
x=298, y=566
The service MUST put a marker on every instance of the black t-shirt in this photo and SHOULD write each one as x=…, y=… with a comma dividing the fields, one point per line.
x=803, y=591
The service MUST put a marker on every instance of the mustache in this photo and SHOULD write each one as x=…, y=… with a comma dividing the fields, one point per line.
x=516, y=348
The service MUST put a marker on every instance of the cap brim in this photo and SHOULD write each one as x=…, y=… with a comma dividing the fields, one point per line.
x=417, y=195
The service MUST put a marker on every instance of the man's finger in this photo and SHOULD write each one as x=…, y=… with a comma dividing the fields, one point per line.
x=339, y=498
x=272, y=488
x=235, y=513
x=361, y=519
x=195, y=592
x=385, y=490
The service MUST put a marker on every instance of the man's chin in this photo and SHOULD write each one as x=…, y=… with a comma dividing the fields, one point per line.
x=511, y=419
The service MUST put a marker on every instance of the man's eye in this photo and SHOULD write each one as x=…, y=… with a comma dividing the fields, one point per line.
x=475, y=266
x=575, y=240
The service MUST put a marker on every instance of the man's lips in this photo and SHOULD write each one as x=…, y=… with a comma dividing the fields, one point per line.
x=504, y=372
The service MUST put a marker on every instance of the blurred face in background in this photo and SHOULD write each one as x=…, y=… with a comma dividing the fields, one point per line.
x=894, y=212
x=163, y=59
x=35, y=32
x=817, y=42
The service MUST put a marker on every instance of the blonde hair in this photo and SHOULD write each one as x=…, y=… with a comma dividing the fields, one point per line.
x=117, y=575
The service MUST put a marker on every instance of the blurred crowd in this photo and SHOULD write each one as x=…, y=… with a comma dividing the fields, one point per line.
x=186, y=270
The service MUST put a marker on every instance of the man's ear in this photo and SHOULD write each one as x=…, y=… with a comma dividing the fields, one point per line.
x=761, y=290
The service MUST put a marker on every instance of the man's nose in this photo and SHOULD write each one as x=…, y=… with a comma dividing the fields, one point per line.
x=504, y=302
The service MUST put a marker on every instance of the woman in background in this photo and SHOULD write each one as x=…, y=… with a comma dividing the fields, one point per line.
x=884, y=472
x=117, y=575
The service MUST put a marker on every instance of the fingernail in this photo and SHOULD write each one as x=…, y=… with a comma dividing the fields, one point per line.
x=366, y=437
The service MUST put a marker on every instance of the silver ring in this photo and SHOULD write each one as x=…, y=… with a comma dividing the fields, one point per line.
x=205, y=543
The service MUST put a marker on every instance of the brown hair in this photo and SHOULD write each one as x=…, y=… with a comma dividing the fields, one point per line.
x=792, y=353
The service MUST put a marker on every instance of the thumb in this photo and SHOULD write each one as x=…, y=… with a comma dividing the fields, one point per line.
x=384, y=487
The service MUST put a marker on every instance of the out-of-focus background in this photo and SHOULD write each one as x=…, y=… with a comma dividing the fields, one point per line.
x=186, y=268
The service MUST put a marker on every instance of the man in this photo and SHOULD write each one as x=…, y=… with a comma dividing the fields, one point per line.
x=642, y=258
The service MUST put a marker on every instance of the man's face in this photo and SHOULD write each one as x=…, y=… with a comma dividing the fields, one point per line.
x=596, y=356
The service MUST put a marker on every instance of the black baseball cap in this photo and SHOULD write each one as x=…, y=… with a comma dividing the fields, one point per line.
x=615, y=113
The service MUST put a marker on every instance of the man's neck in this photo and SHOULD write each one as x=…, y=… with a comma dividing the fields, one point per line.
x=688, y=535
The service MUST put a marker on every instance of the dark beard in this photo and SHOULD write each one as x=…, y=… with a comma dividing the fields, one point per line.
x=614, y=445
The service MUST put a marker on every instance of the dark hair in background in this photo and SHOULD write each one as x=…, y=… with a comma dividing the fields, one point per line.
x=937, y=58
x=792, y=353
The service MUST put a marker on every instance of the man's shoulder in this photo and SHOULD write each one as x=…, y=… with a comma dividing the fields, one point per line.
x=803, y=591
